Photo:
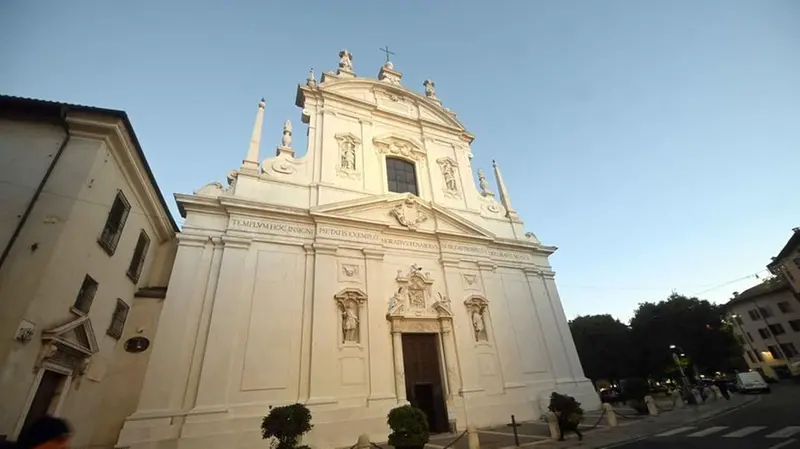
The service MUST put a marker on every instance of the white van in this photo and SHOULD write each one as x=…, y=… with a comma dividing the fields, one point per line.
x=751, y=381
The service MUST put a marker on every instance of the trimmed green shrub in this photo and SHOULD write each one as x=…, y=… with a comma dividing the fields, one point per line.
x=287, y=424
x=409, y=427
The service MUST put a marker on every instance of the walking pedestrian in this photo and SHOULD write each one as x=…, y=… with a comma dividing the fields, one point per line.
x=46, y=433
x=567, y=423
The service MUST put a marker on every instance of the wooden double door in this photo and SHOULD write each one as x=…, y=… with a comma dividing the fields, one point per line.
x=423, y=373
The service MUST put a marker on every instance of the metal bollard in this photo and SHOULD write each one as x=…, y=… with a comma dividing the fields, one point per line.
x=611, y=417
x=552, y=423
x=363, y=441
x=472, y=437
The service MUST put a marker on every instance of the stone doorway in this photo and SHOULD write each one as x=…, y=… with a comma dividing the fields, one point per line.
x=423, y=375
x=45, y=401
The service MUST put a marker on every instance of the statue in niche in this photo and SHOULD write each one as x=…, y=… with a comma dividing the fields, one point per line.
x=484, y=184
x=478, y=325
x=350, y=323
x=345, y=60
x=449, y=177
x=348, y=155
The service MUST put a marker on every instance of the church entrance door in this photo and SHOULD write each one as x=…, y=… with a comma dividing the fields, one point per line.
x=424, y=378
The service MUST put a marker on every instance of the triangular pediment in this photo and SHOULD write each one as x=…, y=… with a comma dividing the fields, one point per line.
x=403, y=211
x=77, y=334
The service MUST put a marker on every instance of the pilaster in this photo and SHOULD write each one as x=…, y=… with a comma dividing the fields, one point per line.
x=324, y=320
x=545, y=316
x=379, y=335
x=304, y=383
x=215, y=379
x=560, y=318
x=165, y=380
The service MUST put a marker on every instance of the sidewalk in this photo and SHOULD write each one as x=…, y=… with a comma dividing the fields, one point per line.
x=536, y=435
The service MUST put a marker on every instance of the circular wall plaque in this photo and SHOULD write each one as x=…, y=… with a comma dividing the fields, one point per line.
x=137, y=344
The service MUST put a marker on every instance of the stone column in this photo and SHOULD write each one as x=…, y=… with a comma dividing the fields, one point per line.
x=399, y=368
x=214, y=378
x=450, y=362
x=324, y=332
x=378, y=333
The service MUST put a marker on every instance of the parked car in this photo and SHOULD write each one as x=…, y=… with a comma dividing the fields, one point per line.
x=751, y=381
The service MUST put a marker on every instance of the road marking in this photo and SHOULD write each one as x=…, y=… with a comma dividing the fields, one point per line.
x=785, y=443
x=744, y=431
x=669, y=433
x=708, y=431
x=786, y=432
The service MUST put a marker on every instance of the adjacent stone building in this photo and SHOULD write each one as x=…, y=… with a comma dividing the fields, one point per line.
x=87, y=248
x=368, y=271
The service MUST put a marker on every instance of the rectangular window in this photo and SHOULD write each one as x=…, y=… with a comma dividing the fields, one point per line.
x=789, y=350
x=401, y=176
x=754, y=315
x=777, y=329
x=795, y=325
x=764, y=333
x=766, y=311
x=118, y=319
x=785, y=307
x=750, y=336
x=789, y=275
x=115, y=222
x=750, y=356
x=139, y=254
x=775, y=353
x=85, y=295
x=759, y=356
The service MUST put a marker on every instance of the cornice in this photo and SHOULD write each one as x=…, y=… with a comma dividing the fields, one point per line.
x=229, y=241
x=192, y=240
x=373, y=254
x=324, y=248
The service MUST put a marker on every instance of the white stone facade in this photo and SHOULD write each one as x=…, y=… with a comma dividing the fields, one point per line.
x=299, y=281
x=55, y=358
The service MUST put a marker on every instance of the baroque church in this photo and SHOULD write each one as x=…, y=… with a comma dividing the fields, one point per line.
x=370, y=270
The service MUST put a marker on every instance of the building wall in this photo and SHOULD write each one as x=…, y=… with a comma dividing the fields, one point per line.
x=56, y=249
x=747, y=328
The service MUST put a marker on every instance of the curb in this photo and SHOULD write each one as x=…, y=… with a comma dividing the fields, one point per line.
x=704, y=417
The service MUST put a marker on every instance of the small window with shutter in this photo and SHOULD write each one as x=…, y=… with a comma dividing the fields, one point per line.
x=139, y=254
x=118, y=319
x=85, y=295
x=115, y=222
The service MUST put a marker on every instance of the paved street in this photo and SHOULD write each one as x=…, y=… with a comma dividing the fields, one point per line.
x=772, y=423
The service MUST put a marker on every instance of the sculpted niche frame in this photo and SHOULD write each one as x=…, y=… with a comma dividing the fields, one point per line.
x=350, y=303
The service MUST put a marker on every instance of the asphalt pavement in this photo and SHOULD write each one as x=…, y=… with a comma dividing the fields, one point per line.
x=772, y=423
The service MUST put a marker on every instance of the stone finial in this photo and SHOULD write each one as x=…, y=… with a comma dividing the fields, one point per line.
x=285, y=147
x=430, y=89
x=311, y=81
x=485, y=191
x=250, y=163
x=505, y=199
x=345, y=64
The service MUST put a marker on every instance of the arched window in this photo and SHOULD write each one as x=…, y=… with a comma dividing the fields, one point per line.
x=401, y=175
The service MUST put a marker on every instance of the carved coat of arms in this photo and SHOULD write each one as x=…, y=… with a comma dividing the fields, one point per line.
x=408, y=214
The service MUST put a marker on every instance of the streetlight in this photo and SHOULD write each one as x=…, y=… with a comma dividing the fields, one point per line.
x=675, y=350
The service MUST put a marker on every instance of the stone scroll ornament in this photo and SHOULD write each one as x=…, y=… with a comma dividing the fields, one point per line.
x=408, y=214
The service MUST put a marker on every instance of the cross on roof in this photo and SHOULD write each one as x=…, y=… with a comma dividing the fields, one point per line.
x=386, y=50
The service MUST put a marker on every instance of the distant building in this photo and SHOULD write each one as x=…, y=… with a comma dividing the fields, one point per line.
x=766, y=321
x=87, y=247
x=787, y=262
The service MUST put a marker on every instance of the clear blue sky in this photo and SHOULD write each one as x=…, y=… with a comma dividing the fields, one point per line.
x=656, y=143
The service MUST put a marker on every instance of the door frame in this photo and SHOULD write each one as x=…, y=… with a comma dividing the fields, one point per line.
x=46, y=366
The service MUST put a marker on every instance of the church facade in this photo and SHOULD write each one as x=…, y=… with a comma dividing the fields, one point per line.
x=369, y=272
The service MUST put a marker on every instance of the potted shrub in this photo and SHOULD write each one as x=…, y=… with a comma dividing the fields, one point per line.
x=287, y=424
x=568, y=411
x=409, y=428
x=635, y=390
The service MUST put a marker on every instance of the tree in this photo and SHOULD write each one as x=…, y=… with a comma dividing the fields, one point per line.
x=696, y=327
x=603, y=344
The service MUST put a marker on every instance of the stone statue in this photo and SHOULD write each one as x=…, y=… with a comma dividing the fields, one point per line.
x=345, y=60
x=286, y=140
x=348, y=155
x=449, y=177
x=350, y=324
x=398, y=300
x=430, y=89
x=478, y=325
x=484, y=185
x=311, y=81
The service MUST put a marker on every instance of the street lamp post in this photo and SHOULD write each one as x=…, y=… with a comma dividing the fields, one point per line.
x=675, y=350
